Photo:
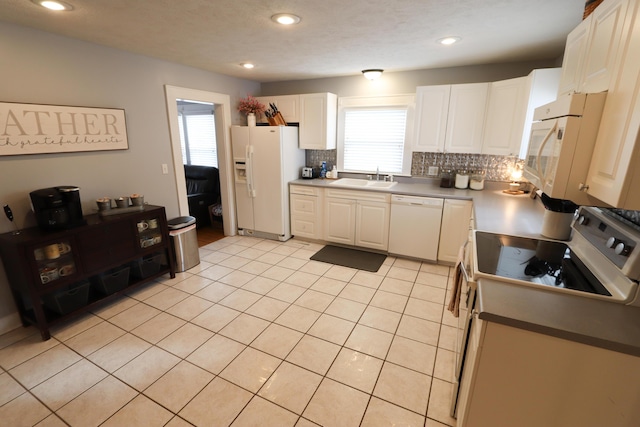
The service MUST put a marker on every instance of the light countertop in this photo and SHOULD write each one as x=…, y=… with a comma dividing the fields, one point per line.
x=590, y=321
x=494, y=211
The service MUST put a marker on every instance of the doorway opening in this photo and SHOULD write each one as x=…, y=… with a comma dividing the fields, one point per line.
x=196, y=121
x=199, y=139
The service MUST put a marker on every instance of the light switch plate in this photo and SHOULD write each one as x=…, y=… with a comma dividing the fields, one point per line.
x=433, y=170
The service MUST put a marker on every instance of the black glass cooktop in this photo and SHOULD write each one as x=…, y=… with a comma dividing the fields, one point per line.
x=543, y=262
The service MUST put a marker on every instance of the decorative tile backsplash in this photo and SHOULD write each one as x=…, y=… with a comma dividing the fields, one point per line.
x=497, y=168
x=316, y=157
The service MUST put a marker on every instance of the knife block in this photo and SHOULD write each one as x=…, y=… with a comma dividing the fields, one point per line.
x=277, y=120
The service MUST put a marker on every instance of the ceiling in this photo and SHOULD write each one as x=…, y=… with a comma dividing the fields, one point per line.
x=334, y=38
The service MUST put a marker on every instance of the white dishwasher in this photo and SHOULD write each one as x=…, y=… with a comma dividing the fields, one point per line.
x=415, y=226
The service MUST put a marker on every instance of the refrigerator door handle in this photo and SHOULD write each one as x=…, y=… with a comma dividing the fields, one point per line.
x=249, y=156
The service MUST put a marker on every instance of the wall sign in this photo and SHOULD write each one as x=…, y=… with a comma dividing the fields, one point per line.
x=38, y=129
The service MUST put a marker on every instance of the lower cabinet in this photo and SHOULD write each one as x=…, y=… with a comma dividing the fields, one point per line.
x=58, y=274
x=306, y=211
x=357, y=218
x=454, y=231
x=516, y=377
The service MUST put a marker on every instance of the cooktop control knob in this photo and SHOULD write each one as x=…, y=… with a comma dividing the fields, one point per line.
x=612, y=242
x=621, y=249
x=583, y=220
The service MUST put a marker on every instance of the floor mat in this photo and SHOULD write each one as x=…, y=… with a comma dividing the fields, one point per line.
x=353, y=258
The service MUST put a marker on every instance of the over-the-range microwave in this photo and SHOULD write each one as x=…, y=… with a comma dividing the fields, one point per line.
x=561, y=144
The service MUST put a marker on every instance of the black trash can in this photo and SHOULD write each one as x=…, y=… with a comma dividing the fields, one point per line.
x=185, y=242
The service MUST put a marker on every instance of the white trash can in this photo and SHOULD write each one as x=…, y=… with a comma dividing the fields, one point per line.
x=185, y=242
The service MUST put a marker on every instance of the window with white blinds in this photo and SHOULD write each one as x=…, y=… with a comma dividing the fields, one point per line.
x=373, y=136
x=198, y=138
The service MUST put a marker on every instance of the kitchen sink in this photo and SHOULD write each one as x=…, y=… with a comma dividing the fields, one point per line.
x=381, y=184
x=354, y=182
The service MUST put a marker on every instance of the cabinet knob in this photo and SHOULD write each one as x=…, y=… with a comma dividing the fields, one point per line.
x=583, y=187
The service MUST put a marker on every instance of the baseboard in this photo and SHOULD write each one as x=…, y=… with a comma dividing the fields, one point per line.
x=10, y=322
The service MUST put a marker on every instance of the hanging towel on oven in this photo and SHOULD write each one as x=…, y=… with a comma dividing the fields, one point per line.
x=456, y=286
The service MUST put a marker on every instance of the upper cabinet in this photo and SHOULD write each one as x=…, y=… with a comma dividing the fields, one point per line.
x=505, y=117
x=315, y=113
x=593, y=49
x=614, y=173
x=510, y=110
x=432, y=109
x=288, y=105
x=450, y=118
x=318, y=121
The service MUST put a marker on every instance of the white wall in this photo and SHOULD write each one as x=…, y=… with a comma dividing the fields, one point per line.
x=406, y=81
x=43, y=68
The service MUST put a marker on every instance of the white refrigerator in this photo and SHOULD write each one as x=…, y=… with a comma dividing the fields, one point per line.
x=266, y=159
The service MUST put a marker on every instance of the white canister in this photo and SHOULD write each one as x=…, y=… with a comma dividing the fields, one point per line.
x=462, y=180
x=557, y=225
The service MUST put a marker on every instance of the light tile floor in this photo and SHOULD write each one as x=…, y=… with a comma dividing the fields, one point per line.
x=256, y=335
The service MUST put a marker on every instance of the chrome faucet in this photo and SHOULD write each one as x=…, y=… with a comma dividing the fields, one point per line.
x=377, y=173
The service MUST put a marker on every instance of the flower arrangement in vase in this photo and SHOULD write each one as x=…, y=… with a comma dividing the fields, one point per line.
x=250, y=106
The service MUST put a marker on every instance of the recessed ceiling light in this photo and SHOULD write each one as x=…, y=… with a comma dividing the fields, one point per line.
x=449, y=40
x=285, y=18
x=247, y=65
x=53, y=5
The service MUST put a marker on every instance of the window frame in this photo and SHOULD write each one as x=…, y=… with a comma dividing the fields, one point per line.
x=195, y=109
x=375, y=102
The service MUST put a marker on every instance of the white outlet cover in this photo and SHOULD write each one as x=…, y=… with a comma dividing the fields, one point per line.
x=433, y=170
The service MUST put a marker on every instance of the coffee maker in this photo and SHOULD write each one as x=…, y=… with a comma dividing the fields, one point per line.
x=57, y=208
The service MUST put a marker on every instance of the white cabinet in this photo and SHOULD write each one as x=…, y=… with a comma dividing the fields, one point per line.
x=318, y=121
x=454, y=231
x=288, y=105
x=614, y=172
x=357, y=218
x=515, y=377
x=432, y=109
x=510, y=110
x=465, y=122
x=506, y=111
x=450, y=118
x=306, y=211
x=574, y=53
x=593, y=49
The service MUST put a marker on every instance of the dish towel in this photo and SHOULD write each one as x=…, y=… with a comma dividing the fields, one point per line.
x=456, y=286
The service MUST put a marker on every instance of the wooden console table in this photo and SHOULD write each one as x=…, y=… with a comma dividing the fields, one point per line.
x=56, y=275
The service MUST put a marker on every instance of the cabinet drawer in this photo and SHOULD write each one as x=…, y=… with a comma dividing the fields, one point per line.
x=304, y=227
x=304, y=190
x=304, y=205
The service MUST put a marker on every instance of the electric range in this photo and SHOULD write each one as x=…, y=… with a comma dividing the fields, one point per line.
x=602, y=259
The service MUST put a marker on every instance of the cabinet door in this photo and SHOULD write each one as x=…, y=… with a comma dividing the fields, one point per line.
x=506, y=112
x=607, y=22
x=288, y=105
x=574, y=54
x=54, y=261
x=432, y=106
x=340, y=221
x=614, y=172
x=372, y=225
x=465, y=121
x=318, y=120
x=454, y=230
